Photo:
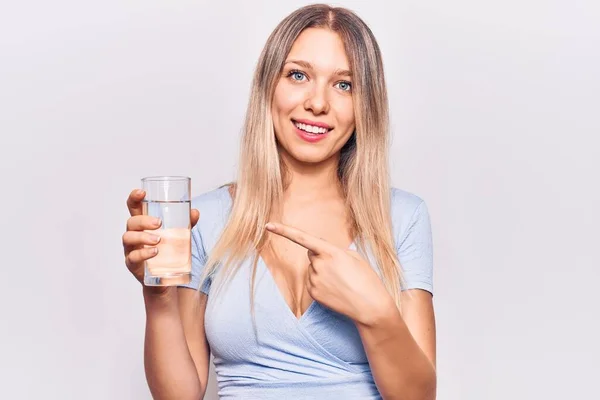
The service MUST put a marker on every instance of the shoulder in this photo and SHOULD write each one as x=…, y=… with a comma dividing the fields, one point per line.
x=407, y=209
x=405, y=205
x=403, y=201
x=214, y=207
x=215, y=200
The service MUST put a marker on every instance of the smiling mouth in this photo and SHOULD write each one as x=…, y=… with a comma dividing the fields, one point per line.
x=311, y=129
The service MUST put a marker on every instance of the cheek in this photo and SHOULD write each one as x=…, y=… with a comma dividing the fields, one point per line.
x=286, y=99
x=345, y=113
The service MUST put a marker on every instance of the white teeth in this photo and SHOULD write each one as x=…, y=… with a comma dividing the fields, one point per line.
x=310, y=128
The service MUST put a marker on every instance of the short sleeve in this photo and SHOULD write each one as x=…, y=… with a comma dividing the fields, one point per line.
x=415, y=251
x=198, y=262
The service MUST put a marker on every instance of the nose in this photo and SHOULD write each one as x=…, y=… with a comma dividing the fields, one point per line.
x=316, y=100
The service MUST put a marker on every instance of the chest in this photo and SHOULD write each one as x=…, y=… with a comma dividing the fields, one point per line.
x=320, y=341
x=288, y=262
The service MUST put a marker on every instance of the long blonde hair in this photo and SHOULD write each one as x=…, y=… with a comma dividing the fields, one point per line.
x=363, y=167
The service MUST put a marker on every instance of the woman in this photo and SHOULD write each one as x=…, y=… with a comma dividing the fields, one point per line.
x=311, y=276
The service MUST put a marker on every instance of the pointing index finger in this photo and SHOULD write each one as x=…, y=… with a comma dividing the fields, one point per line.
x=309, y=242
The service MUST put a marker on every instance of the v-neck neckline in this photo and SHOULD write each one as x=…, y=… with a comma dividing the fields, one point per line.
x=278, y=291
x=281, y=297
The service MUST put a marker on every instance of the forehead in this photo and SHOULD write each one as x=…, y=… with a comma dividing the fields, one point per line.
x=323, y=48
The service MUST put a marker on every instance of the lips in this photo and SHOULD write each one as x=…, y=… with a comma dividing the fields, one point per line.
x=311, y=133
x=313, y=123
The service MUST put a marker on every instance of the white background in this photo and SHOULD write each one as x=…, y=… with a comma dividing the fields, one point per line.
x=495, y=109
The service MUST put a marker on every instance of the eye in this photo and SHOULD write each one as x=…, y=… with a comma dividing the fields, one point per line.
x=296, y=75
x=344, y=85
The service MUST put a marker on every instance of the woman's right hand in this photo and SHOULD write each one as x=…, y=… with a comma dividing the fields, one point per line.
x=140, y=246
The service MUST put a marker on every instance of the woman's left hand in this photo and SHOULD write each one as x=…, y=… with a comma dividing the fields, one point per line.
x=339, y=279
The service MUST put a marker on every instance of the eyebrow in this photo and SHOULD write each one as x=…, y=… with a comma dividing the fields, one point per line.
x=307, y=65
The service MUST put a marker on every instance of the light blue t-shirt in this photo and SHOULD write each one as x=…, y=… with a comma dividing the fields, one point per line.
x=320, y=355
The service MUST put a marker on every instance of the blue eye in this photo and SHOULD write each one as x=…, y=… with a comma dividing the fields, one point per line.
x=345, y=86
x=296, y=75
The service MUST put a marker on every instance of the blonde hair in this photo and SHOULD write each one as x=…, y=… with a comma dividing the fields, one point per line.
x=363, y=167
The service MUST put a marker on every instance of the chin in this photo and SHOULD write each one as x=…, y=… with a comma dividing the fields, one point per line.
x=308, y=156
x=310, y=159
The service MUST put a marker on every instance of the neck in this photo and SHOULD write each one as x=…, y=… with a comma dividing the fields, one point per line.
x=310, y=181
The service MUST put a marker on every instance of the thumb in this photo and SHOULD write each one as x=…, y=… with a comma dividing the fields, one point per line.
x=134, y=202
x=194, y=216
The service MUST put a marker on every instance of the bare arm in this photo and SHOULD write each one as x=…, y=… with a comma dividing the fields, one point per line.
x=176, y=353
x=192, y=307
x=401, y=348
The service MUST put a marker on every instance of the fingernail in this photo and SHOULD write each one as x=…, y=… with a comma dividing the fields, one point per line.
x=154, y=250
x=270, y=226
x=155, y=238
x=156, y=221
x=139, y=192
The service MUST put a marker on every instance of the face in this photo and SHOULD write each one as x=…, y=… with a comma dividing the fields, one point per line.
x=312, y=108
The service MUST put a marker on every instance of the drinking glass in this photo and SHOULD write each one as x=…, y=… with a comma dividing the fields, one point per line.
x=168, y=198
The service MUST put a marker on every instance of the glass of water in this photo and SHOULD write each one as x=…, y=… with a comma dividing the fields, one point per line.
x=168, y=198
